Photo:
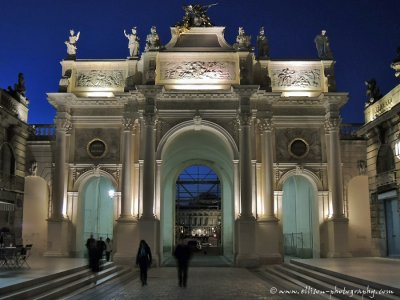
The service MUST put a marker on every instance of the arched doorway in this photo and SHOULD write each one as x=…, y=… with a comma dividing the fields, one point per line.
x=300, y=220
x=187, y=145
x=198, y=217
x=97, y=208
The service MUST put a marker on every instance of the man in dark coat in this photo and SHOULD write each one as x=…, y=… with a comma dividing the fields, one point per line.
x=143, y=259
x=182, y=254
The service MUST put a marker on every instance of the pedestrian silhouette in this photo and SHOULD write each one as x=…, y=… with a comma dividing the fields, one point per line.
x=108, y=248
x=143, y=259
x=182, y=254
x=92, y=253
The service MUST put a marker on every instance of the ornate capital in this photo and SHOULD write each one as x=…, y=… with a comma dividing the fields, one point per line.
x=265, y=124
x=332, y=123
x=244, y=118
x=150, y=119
x=128, y=123
x=64, y=124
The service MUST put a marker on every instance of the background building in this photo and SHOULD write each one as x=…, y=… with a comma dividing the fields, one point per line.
x=383, y=152
x=13, y=134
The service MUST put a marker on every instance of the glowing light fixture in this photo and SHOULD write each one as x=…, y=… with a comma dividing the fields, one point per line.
x=111, y=193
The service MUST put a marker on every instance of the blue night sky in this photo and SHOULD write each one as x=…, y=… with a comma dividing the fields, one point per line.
x=364, y=36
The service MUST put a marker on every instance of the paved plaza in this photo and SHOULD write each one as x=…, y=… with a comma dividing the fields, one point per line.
x=203, y=283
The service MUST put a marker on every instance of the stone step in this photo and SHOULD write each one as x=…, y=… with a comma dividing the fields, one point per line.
x=55, y=285
x=314, y=281
x=359, y=281
x=311, y=285
x=286, y=286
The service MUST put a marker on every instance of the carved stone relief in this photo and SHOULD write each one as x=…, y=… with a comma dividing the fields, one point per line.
x=285, y=136
x=198, y=70
x=299, y=78
x=108, y=136
x=100, y=78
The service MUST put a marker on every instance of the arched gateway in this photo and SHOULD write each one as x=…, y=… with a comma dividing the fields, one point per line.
x=197, y=101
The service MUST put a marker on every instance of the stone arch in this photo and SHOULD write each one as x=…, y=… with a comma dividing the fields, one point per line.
x=84, y=177
x=7, y=159
x=185, y=144
x=197, y=125
x=311, y=176
x=385, y=161
x=313, y=205
x=78, y=219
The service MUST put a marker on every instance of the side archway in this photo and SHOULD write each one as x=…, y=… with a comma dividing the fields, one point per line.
x=95, y=208
x=299, y=216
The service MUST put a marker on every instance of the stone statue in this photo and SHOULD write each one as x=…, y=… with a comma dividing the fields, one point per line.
x=71, y=43
x=396, y=64
x=33, y=168
x=133, y=44
x=71, y=49
x=243, y=41
x=196, y=16
x=20, y=86
x=153, y=40
x=262, y=44
x=373, y=92
x=323, y=47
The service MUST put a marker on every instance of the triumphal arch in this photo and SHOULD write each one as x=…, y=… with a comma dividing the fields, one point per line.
x=262, y=136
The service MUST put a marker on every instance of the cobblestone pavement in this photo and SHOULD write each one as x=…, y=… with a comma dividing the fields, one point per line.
x=203, y=283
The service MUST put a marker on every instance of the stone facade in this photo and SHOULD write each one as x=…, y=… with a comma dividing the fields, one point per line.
x=257, y=123
x=13, y=135
x=382, y=132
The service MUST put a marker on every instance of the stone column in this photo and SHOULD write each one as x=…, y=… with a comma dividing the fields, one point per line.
x=58, y=224
x=335, y=166
x=150, y=119
x=149, y=225
x=126, y=188
x=126, y=230
x=268, y=232
x=245, y=224
x=63, y=127
x=245, y=120
x=337, y=224
x=265, y=127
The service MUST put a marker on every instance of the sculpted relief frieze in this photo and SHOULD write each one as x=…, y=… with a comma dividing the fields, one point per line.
x=100, y=78
x=299, y=78
x=200, y=70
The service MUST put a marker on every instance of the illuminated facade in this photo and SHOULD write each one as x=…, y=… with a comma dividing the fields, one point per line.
x=270, y=129
x=13, y=134
x=382, y=132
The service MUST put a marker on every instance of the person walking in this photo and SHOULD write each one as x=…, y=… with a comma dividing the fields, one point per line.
x=143, y=259
x=108, y=248
x=182, y=254
x=92, y=253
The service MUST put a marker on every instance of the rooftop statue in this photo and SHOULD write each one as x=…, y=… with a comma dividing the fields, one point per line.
x=396, y=63
x=373, y=92
x=196, y=16
x=397, y=58
x=20, y=86
x=153, y=40
x=133, y=43
x=262, y=44
x=243, y=41
x=323, y=47
x=71, y=43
